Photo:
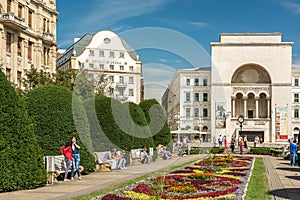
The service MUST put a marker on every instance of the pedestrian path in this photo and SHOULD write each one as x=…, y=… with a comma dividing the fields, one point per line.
x=95, y=181
x=284, y=180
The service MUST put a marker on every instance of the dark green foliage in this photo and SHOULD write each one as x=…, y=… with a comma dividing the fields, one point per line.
x=217, y=150
x=157, y=121
x=21, y=159
x=51, y=109
x=266, y=151
x=123, y=124
x=99, y=140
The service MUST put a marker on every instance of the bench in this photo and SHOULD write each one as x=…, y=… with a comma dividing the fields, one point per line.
x=100, y=165
x=56, y=165
x=135, y=156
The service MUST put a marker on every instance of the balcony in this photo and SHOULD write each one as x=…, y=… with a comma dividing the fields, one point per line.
x=121, y=85
x=121, y=98
x=48, y=36
x=9, y=19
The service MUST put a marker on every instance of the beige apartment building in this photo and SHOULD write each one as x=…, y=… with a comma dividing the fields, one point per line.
x=28, y=37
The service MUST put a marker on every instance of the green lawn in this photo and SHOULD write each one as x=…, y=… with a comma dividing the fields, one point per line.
x=258, y=187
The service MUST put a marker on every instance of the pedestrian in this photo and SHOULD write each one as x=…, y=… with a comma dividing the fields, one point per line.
x=293, y=152
x=232, y=143
x=67, y=152
x=76, y=158
x=245, y=141
x=220, y=140
x=242, y=146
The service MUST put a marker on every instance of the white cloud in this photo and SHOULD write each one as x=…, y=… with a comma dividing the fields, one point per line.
x=163, y=60
x=290, y=5
x=198, y=24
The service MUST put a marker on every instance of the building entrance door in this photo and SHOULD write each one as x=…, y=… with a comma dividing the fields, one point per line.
x=252, y=134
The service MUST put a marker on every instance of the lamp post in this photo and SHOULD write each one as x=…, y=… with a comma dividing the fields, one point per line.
x=241, y=120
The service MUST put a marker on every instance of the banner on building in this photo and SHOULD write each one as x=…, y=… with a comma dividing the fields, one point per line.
x=220, y=115
x=281, y=123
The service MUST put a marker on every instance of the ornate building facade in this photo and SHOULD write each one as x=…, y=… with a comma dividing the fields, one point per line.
x=105, y=54
x=251, y=75
x=28, y=37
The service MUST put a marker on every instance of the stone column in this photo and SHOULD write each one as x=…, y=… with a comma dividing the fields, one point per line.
x=233, y=106
x=268, y=107
x=245, y=106
x=256, y=106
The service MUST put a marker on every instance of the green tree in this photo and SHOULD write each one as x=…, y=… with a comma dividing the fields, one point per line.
x=21, y=158
x=157, y=121
x=53, y=114
x=123, y=124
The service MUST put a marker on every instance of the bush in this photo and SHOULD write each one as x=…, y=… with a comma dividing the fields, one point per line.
x=51, y=110
x=154, y=120
x=217, y=150
x=21, y=159
x=119, y=123
x=266, y=151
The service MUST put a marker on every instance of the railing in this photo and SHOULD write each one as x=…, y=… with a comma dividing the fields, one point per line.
x=48, y=36
x=121, y=97
x=121, y=85
x=11, y=17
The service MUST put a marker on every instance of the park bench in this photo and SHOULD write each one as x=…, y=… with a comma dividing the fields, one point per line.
x=56, y=165
x=99, y=161
x=135, y=156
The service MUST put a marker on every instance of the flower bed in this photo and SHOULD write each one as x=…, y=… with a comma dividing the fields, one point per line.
x=212, y=178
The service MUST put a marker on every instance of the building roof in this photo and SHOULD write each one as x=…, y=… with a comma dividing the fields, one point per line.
x=75, y=49
x=78, y=47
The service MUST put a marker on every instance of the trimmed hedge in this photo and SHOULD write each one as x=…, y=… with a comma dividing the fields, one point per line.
x=21, y=158
x=266, y=151
x=162, y=136
x=119, y=123
x=51, y=110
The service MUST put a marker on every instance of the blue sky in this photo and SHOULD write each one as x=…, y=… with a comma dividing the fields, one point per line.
x=199, y=20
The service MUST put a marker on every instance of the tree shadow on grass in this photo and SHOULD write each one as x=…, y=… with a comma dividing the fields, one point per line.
x=289, y=193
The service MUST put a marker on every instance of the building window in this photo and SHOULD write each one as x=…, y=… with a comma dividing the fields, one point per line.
x=205, y=96
x=121, y=79
x=8, y=73
x=196, y=112
x=91, y=65
x=188, y=96
x=44, y=25
x=45, y=57
x=101, y=53
x=121, y=54
x=30, y=44
x=8, y=42
x=111, y=79
x=111, y=91
x=20, y=10
x=30, y=18
x=91, y=53
x=19, y=46
x=19, y=78
x=296, y=113
x=188, y=82
x=131, y=92
x=131, y=68
x=205, y=112
x=111, y=54
x=8, y=6
x=296, y=97
x=101, y=66
x=197, y=97
x=121, y=93
x=196, y=82
x=121, y=68
x=296, y=82
x=188, y=112
x=205, y=82
x=111, y=67
x=131, y=80
x=48, y=26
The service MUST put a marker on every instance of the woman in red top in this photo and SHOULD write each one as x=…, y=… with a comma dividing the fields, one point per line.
x=68, y=158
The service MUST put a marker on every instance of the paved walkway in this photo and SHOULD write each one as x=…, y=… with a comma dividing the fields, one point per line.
x=94, y=181
x=284, y=180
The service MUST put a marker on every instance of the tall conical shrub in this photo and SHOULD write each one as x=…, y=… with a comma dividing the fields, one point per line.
x=52, y=112
x=21, y=159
